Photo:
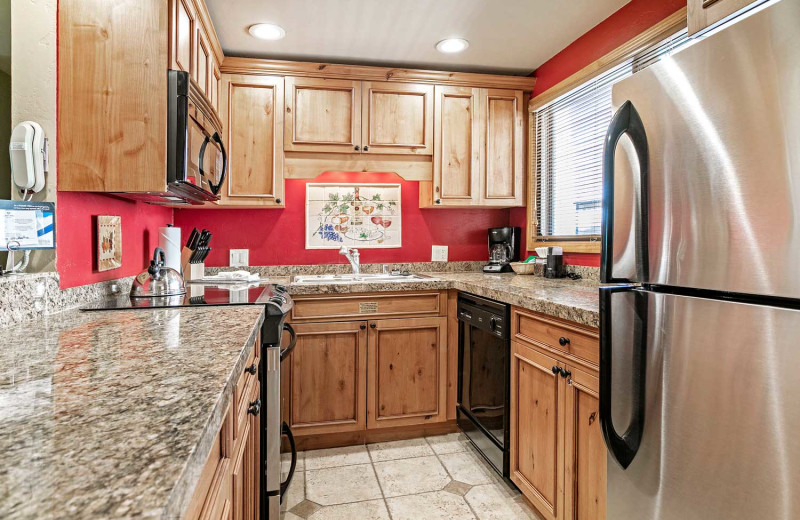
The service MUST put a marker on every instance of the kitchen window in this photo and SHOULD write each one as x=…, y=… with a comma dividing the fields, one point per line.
x=568, y=136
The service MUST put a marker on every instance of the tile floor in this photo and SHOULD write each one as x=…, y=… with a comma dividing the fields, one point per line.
x=433, y=478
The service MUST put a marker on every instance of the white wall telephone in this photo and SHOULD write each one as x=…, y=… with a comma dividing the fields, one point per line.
x=28, y=151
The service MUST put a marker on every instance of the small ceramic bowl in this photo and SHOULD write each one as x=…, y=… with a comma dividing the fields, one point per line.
x=529, y=268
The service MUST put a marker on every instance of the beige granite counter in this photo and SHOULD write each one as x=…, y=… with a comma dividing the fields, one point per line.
x=574, y=300
x=112, y=414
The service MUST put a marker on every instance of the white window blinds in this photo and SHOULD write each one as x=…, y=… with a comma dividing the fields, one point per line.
x=569, y=150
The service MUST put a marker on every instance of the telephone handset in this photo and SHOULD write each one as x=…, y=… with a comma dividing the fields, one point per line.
x=28, y=151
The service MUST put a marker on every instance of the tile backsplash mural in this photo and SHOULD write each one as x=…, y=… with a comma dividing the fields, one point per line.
x=353, y=215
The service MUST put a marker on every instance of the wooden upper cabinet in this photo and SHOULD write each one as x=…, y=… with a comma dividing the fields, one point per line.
x=327, y=378
x=584, y=448
x=503, y=169
x=252, y=114
x=182, y=34
x=112, y=96
x=537, y=404
x=457, y=157
x=407, y=372
x=704, y=13
x=397, y=118
x=322, y=115
x=204, y=57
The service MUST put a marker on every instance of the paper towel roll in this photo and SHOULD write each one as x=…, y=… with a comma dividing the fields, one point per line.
x=169, y=239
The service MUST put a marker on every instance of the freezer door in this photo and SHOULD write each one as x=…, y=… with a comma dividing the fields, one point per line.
x=718, y=408
x=722, y=124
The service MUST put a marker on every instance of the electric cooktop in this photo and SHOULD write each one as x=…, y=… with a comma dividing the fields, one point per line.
x=198, y=295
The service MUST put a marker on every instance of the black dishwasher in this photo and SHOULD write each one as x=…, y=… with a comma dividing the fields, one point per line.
x=483, y=377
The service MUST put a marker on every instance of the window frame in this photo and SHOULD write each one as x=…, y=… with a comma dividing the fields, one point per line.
x=652, y=36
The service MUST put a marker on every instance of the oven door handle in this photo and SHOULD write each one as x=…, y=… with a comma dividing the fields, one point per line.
x=285, y=430
x=285, y=352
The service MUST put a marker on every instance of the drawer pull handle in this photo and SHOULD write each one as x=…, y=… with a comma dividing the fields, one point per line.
x=372, y=325
x=251, y=369
x=563, y=341
x=556, y=370
x=255, y=407
x=362, y=327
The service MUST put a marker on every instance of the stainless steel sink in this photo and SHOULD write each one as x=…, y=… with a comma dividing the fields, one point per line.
x=357, y=278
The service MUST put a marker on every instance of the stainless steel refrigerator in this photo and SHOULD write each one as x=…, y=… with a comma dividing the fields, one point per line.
x=700, y=335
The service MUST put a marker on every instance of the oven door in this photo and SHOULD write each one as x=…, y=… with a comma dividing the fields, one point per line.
x=207, y=159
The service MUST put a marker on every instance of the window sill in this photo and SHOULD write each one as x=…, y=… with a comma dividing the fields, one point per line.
x=569, y=246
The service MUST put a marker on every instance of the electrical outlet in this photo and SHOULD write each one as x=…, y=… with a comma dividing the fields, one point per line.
x=239, y=257
x=438, y=253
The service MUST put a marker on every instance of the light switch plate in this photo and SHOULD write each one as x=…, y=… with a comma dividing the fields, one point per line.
x=239, y=257
x=438, y=253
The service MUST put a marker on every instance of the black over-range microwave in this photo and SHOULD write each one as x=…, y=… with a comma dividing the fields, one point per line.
x=196, y=158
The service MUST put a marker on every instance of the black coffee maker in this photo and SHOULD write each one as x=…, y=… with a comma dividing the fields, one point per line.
x=503, y=249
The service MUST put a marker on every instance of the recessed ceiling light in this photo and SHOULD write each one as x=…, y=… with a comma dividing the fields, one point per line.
x=451, y=45
x=267, y=31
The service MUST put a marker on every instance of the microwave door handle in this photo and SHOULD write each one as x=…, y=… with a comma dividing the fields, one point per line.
x=625, y=122
x=217, y=139
x=200, y=160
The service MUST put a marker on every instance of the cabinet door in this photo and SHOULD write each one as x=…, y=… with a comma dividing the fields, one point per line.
x=214, y=77
x=252, y=112
x=503, y=168
x=327, y=378
x=182, y=29
x=397, y=118
x=408, y=372
x=584, y=449
x=537, y=457
x=203, y=68
x=457, y=150
x=322, y=115
x=703, y=13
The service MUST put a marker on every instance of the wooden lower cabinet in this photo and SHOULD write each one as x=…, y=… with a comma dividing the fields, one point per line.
x=558, y=457
x=228, y=487
x=327, y=378
x=407, y=372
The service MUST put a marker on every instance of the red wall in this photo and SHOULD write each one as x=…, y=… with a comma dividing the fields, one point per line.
x=277, y=236
x=76, y=221
x=629, y=21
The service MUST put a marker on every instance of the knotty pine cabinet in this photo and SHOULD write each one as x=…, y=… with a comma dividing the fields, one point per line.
x=479, y=149
x=346, y=116
x=229, y=484
x=558, y=455
x=252, y=111
x=351, y=376
x=191, y=46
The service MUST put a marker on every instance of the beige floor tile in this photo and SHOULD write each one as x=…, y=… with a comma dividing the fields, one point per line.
x=450, y=443
x=340, y=485
x=296, y=492
x=286, y=462
x=497, y=502
x=439, y=505
x=370, y=510
x=410, y=476
x=305, y=508
x=334, y=457
x=291, y=516
x=384, y=451
x=467, y=467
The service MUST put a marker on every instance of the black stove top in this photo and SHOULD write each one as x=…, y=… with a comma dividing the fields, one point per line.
x=273, y=296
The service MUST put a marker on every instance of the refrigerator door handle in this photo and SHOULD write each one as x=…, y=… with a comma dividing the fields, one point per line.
x=623, y=447
x=625, y=122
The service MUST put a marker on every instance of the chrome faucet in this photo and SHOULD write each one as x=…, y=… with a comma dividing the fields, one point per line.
x=353, y=257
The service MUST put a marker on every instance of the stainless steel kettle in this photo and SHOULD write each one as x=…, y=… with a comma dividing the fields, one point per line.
x=158, y=279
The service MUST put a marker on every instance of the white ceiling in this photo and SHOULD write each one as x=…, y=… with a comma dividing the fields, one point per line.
x=506, y=36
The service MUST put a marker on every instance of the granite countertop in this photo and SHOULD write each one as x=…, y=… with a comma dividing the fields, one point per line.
x=112, y=414
x=574, y=300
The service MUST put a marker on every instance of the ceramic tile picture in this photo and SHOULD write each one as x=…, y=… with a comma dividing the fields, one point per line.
x=109, y=242
x=354, y=215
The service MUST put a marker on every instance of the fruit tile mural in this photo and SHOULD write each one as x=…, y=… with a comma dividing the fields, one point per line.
x=353, y=215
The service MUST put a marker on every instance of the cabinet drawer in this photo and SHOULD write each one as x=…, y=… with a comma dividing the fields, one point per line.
x=383, y=305
x=243, y=392
x=542, y=330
